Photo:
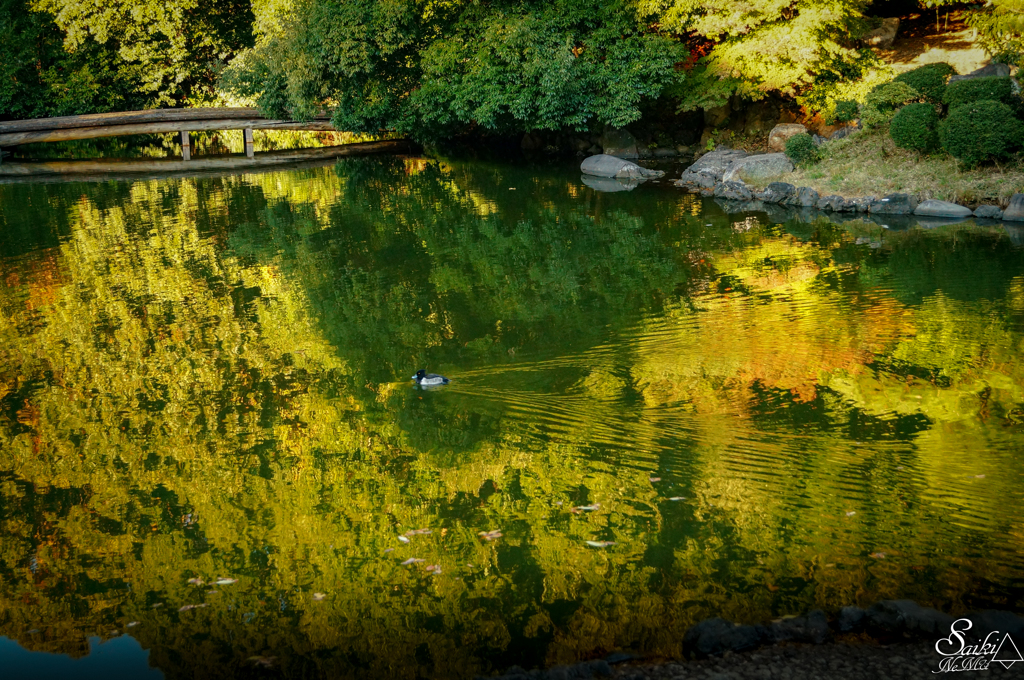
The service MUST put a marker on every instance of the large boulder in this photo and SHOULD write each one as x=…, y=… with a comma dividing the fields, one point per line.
x=696, y=182
x=716, y=636
x=1015, y=211
x=934, y=208
x=734, y=191
x=717, y=163
x=883, y=36
x=619, y=143
x=835, y=203
x=780, y=134
x=894, y=204
x=778, y=192
x=759, y=168
x=805, y=197
x=604, y=165
x=1001, y=70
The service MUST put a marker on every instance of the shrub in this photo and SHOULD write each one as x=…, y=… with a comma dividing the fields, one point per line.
x=915, y=127
x=994, y=88
x=846, y=111
x=980, y=131
x=801, y=150
x=929, y=80
x=882, y=102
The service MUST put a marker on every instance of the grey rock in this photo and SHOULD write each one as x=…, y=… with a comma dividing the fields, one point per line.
x=594, y=150
x=716, y=163
x=990, y=211
x=714, y=117
x=619, y=143
x=862, y=204
x=1015, y=232
x=1000, y=70
x=934, y=208
x=605, y=165
x=778, y=192
x=987, y=621
x=894, y=204
x=780, y=134
x=1015, y=211
x=818, y=140
x=759, y=168
x=695, y=181
x=805, y=197
x=734, y=191
x=835, y=203
x=906, y=616
x=716, y=636
x=850, y=619
x=883, y=36
x=841, y=133
x=811, y=628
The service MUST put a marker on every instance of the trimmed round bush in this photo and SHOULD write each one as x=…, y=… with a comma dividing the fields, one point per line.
x=801, y=150
x=881, y=103
x=846, y=111
x=929, y=80
x=993, y=88
x=980, y=131
x=915, y=127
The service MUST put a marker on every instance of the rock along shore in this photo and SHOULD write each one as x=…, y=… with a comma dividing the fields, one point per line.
x=891, y=639
x=721, y=174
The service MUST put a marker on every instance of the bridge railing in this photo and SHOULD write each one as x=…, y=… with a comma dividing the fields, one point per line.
x=183, y=121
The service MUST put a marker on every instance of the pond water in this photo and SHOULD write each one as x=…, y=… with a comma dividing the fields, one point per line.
x=667, y=413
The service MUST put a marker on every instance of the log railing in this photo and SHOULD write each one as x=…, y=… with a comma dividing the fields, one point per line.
x=183, y=121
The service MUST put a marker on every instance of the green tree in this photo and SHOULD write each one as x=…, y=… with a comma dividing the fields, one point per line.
x=173, y=49
x=431, y=69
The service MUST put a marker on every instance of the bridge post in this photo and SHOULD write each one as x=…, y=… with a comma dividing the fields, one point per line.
x=186, y=149
x=249, y=149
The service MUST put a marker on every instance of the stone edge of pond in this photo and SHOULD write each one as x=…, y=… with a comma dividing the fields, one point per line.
x=886, y=622
x=708, y=180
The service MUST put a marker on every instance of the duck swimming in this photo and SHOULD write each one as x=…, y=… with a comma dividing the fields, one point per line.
x=424, y=379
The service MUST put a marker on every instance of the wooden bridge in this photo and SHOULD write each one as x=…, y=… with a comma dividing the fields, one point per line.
x=158, y=121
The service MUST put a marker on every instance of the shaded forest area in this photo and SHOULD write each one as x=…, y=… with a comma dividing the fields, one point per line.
x=436, y=69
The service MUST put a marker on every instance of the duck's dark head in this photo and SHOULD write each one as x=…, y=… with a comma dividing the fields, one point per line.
x=420, y=374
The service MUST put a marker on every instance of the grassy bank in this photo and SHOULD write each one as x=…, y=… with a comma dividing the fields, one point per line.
x=868, y=163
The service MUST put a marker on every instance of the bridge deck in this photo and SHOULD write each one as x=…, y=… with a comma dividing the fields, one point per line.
x=121, y=123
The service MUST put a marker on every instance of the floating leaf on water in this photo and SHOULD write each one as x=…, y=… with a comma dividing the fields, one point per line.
x=600, y=544
x=264, y=661
x=655, y=479
x=830, y=564
x=131, y=624
x=851, y=513
x=469, y=564
x=434, y=568
x=587, y=508
x=36, y=630
x=979, y=476
x=403, y=539
x=678, y=498
x=158, y=604
x=389, y=550
x=319, y=596
x=490, y=535
x=899, y=467
x=225, y=581
x=877, y=555
x=411, y=560
x=196, y=581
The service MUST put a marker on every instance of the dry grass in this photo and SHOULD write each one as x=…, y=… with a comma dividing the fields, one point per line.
x=869, y=164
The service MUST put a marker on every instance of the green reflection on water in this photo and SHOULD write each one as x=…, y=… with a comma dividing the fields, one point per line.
x=205, y=378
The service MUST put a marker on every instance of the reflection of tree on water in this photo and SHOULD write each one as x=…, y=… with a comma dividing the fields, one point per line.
x=182, y=397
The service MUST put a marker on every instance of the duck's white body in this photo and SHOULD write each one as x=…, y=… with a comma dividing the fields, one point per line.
x=424, y=379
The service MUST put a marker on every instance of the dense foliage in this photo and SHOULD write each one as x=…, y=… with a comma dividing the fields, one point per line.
x=60, y=57
x=915, y=127
x=801, y=150
x=929, y=80
x=981, y=131
x=993, y=88
x=884, y=100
